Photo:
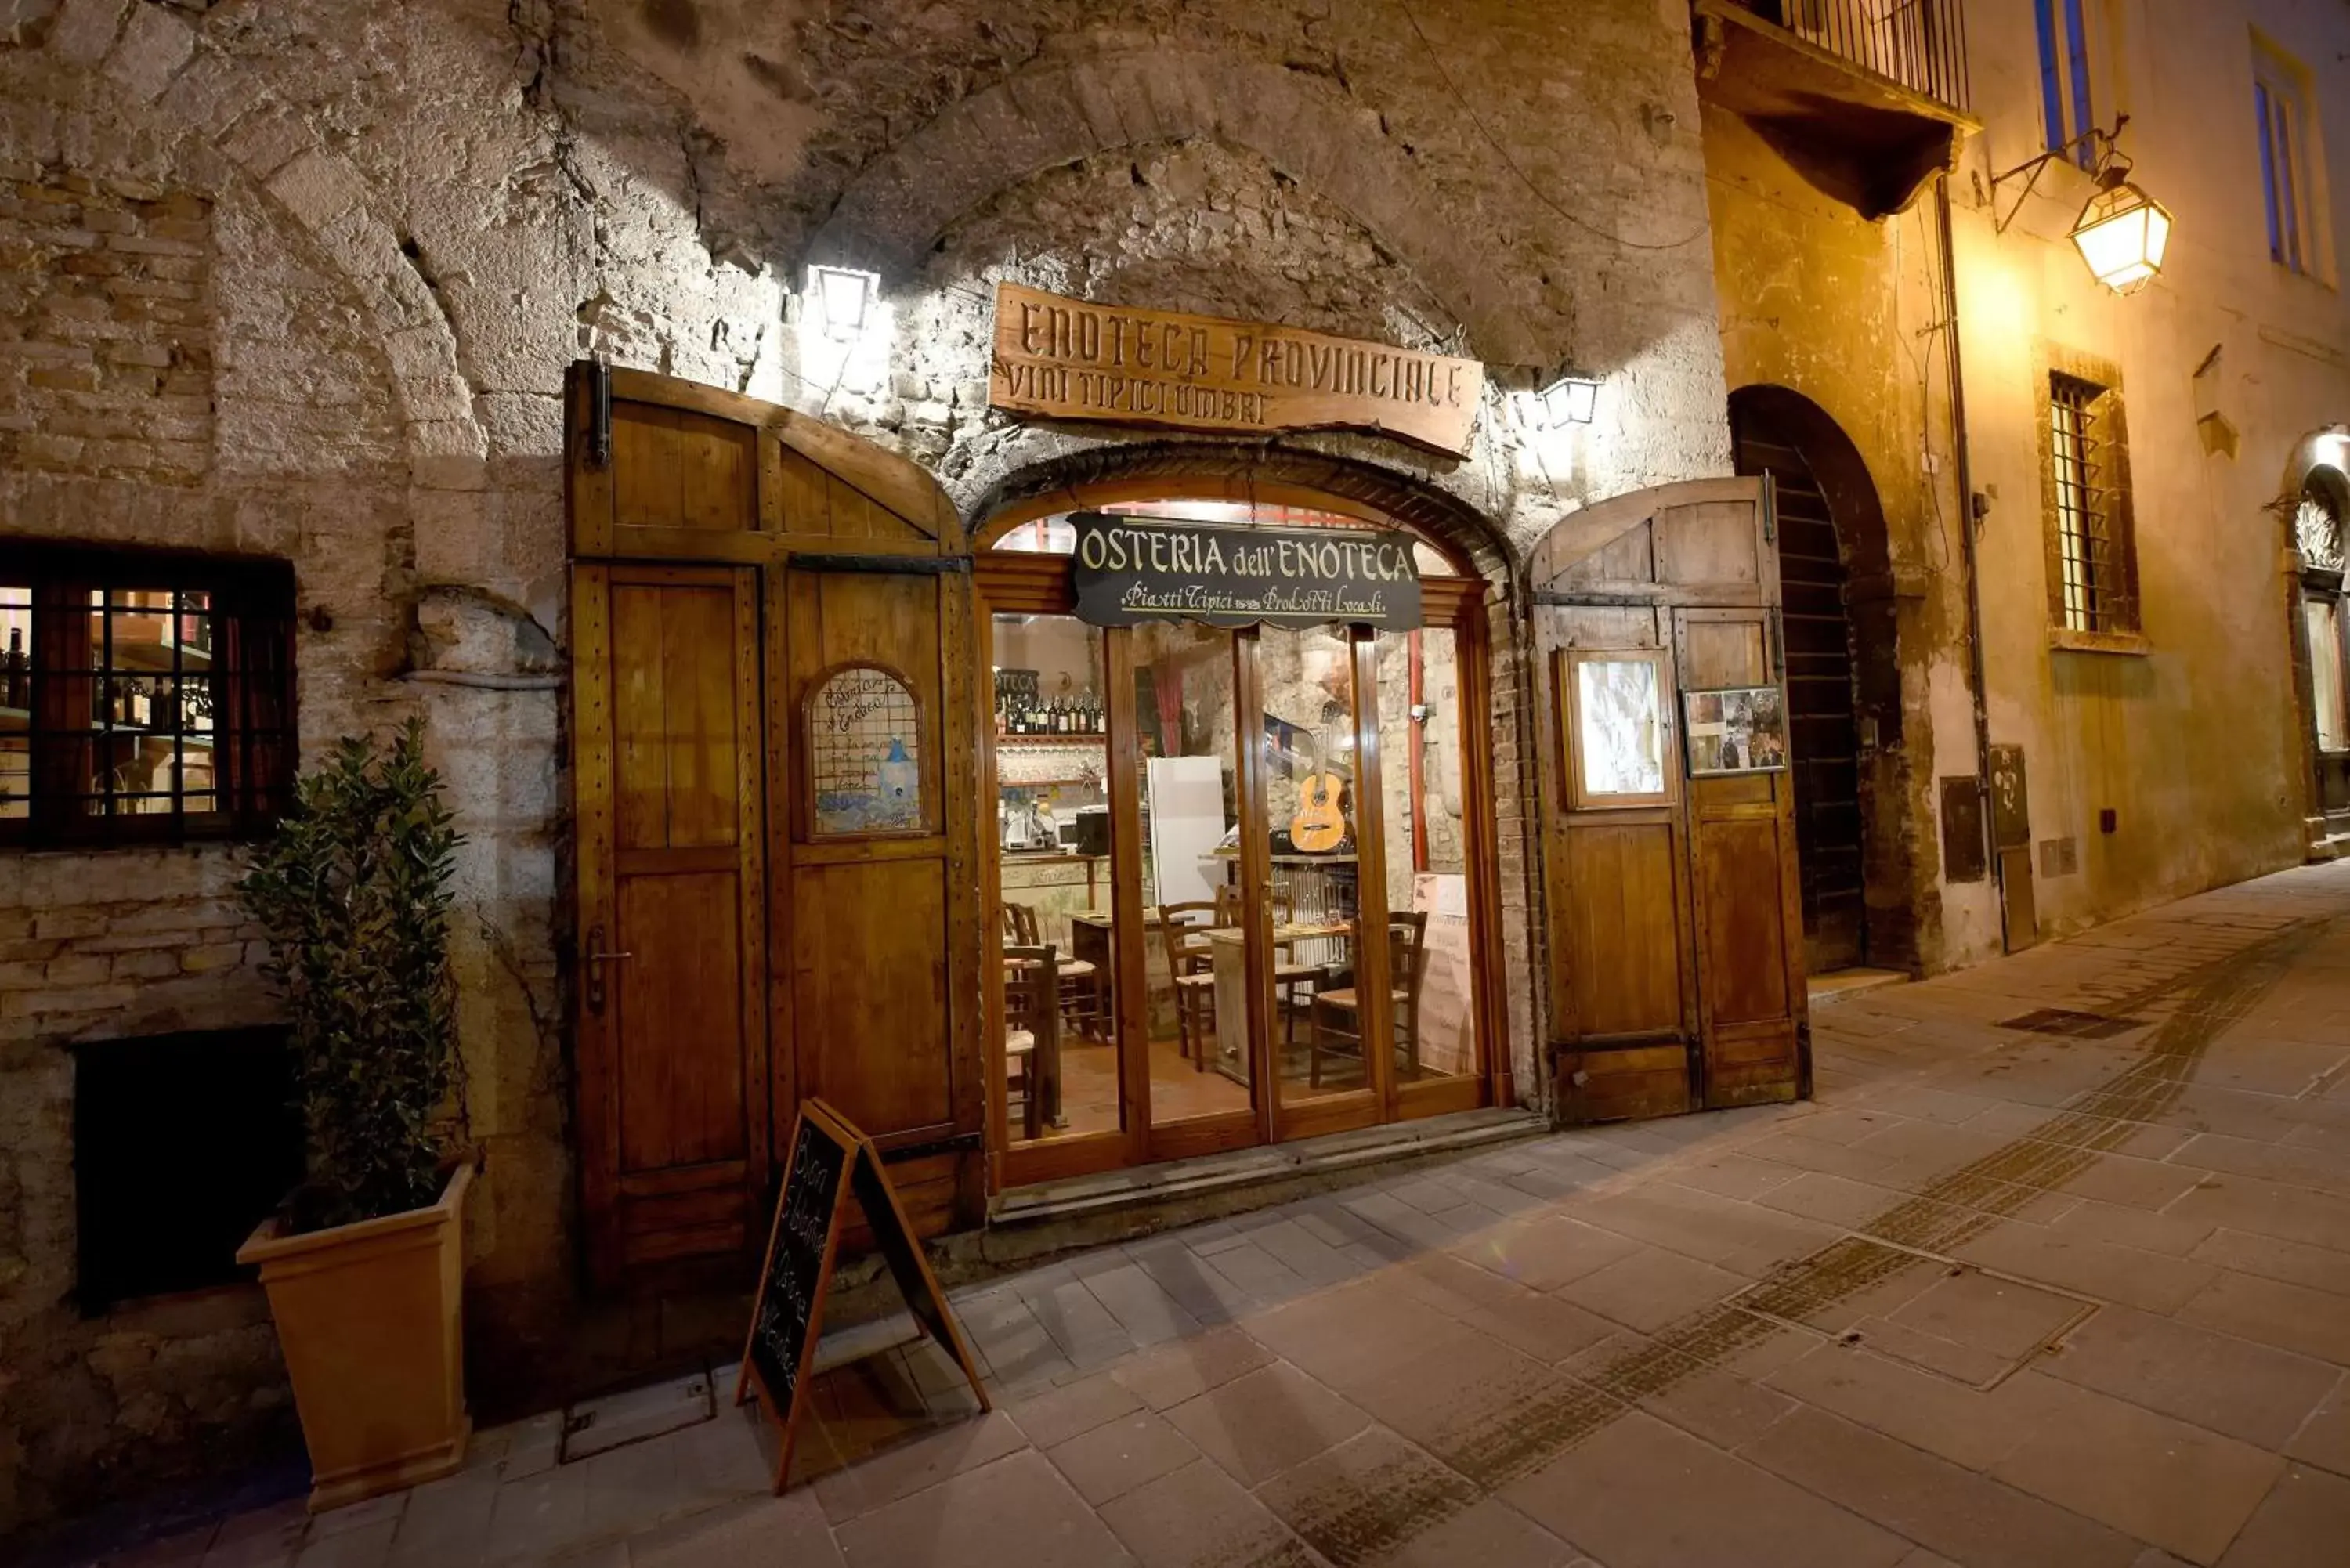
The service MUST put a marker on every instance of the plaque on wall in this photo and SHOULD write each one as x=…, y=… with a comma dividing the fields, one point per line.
x=1740, y=729
x=1072, y=359
x=1133, y=571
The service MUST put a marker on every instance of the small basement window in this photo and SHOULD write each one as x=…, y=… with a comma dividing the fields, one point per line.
x=145, y=696
x=183, y=1144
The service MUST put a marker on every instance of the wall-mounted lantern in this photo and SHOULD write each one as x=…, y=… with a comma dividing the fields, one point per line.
x=1569, y=400
x=2122, y=232
x=843, y=296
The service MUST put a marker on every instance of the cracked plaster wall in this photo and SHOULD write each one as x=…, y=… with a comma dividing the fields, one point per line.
x=418, y=215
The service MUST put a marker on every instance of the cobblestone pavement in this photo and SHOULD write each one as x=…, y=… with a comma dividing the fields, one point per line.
x=2076, y=1294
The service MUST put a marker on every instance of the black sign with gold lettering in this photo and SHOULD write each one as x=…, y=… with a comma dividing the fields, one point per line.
x=1132, y=571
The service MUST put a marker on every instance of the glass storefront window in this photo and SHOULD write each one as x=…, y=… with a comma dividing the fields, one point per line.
x=1052, y=823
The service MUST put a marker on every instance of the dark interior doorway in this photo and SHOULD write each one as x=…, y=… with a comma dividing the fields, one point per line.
x=1843, y=688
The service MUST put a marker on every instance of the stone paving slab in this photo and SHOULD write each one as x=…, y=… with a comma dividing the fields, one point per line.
x=1997, y=1296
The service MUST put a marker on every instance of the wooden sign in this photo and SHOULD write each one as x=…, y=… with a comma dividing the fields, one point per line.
x=1075, y=360
x=1132, y=571
x=830, y=1160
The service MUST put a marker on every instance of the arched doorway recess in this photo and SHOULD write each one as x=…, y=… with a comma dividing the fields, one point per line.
x=2321, y=511
x=1844, y=689
x=1229, y=970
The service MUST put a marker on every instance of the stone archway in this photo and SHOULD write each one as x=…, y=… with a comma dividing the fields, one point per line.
x=1212, y=470
x=1843, y=687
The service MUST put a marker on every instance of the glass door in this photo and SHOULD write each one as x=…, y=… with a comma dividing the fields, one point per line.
x=1244, y=881
x=1322, y=1001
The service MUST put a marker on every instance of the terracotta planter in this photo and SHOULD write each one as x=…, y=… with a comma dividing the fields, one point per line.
x=370, y=1317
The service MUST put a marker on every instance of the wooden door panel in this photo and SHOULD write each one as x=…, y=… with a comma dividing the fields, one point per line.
x=1746, y=940
x=1712, y=545
x=822, y=503
x=1722, y=653
x=1623, y=927
x=869, y=992
x=682, y=1049
x=677, y=721
x=672, y=1050
x=673, y=468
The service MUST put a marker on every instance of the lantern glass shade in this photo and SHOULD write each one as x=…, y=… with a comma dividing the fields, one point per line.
x=1570, y=400
x=2122, y=234
x=843, y=295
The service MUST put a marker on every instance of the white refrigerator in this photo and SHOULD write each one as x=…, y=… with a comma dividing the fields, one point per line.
x=1185, y=798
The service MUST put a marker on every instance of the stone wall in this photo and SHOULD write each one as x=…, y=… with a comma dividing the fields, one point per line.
x=417, y=215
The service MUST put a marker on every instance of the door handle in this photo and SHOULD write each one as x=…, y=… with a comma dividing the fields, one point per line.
x=597, y=959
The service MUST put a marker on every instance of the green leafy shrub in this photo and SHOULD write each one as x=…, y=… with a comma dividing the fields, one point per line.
x=353, y=891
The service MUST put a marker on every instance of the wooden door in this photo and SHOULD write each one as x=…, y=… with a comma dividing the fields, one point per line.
x=737, y=949
x=878, y=979
x=672, y=1059
x=1673, y=978
x=1745, y=881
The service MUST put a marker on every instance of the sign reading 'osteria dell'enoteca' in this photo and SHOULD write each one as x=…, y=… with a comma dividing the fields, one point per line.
x=1132, y=571
x=1075, y=360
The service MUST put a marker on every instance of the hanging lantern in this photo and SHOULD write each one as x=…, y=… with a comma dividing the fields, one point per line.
x=2122, y=234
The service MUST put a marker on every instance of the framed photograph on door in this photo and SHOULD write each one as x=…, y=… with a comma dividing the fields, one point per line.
x=1736, y=729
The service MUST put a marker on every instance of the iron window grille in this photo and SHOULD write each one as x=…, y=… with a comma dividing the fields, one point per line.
x=146, y=697
x=2096, y=569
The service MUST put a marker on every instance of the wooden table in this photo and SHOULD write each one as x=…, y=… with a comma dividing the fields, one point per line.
x=1228, y=953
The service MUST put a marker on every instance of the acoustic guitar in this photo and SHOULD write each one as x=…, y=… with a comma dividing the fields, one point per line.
x=1319, y=826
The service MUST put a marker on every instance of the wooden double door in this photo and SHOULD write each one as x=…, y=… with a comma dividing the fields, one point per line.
x=1670, y=851
x=768, y=827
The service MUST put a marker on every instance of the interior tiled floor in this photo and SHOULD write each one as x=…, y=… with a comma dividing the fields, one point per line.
x=1999, y=1296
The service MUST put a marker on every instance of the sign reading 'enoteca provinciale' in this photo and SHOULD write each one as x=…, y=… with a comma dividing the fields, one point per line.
x=1132, y=571
x=1075, y=360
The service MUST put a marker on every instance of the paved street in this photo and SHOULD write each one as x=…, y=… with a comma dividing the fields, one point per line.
x=2074, y=1294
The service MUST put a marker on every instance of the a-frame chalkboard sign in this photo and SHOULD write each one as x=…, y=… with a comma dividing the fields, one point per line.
x=830, y=1160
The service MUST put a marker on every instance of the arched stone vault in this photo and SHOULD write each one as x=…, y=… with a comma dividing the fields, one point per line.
x=900, y=203
x=157, y=59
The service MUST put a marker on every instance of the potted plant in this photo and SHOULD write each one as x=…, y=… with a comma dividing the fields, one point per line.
x=364, y=1264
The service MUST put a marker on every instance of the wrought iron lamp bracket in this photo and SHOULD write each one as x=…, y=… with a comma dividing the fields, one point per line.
x=2113, y=166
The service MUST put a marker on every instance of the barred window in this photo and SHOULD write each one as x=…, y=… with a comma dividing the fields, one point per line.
x=145, y=696
x=2094, y=571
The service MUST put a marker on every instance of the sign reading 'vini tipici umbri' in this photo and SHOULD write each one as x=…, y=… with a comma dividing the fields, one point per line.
x=1132, y=571
x=1072, y=359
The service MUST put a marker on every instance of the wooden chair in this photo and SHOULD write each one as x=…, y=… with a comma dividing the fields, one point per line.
x=1293, y=983
x=1337, y=1028
x=1191, y=971
x=1032, y=1034
x=1081, y=999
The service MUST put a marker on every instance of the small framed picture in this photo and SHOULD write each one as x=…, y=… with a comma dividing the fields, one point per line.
x=1741, y=730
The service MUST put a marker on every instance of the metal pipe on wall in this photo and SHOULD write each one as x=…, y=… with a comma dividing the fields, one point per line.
x=1964, y=473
